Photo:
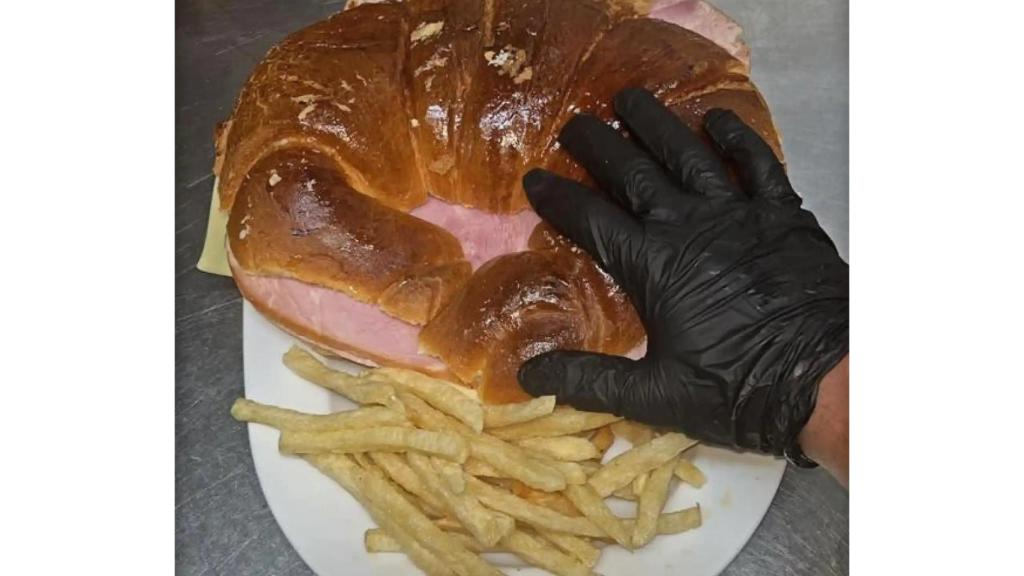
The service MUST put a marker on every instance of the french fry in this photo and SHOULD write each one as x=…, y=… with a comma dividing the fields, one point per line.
x=396, y=467
x=376, y=540
x=555, y=501
x=245, y=410
x=575, y=546
x=449, y=524
x=529, y=513
x=573, y=472
x=672, y=522
x=541, y=554
x=438, y=393
x=451, y=474
x=385, y=439
x=561, y=448
x=650, y=502
x=589, y=467
x=679, y=521
x=427, y=417
x=507, y=414
x=688, y=472
x=637, y=485
x=505, y=483
x=485, y=525
x=551, y=500
x=396, y=515
x=477, y=467
x=603, y=439
x=361, y=459
x=561, y=422
x=355, y=388
x=640, y=459
x=508, y=460
x=593, y=507
x=633, y=432
x=420, y=555
x=626, y=492
x=513, y=462
x=473, y=545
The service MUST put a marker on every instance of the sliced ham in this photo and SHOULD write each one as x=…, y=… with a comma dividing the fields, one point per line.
x=483, y=235
x=336, y=322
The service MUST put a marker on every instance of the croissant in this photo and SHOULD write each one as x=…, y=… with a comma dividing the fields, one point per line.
x=371, y=172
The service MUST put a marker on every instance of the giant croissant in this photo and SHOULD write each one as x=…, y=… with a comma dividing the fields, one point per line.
x=372, y=167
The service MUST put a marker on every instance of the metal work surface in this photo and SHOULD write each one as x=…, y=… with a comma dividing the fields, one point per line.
x=223, y=526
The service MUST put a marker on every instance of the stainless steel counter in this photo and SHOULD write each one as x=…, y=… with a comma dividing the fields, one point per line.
x=223, y=524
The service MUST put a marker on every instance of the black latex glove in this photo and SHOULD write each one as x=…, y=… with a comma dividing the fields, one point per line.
x=743, y=295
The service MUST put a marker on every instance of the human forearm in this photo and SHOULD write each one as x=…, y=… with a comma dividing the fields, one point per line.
x=826, y=437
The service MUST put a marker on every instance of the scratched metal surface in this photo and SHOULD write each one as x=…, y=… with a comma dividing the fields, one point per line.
x=223, y=524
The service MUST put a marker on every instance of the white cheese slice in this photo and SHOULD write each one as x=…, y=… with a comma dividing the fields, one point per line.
x=214, y=259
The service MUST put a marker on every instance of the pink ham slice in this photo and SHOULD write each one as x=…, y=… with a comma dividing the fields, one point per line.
x=339, y=318
x=483, y=236
x=706, y=20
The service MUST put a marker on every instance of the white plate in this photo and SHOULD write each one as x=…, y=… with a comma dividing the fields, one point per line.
x=325, y=524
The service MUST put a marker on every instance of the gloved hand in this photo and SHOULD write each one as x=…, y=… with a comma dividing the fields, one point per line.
x=743, y=295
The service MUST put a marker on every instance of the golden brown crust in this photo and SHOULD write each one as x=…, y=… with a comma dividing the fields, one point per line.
x=668, y=60
x=296, y=217
x=444, y=39
x=616, y=329
x=738, y=95
x=507, y=297
x=418, y=296
x=336, y=86
x=523, y=304
x=516, y=92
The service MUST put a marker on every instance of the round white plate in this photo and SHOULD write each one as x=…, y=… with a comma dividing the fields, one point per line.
x=326, y=525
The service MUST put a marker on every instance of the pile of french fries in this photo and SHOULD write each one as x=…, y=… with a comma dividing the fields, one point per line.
x=446, y=478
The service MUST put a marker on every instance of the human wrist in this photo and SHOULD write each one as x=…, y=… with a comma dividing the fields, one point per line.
x=825, y=437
